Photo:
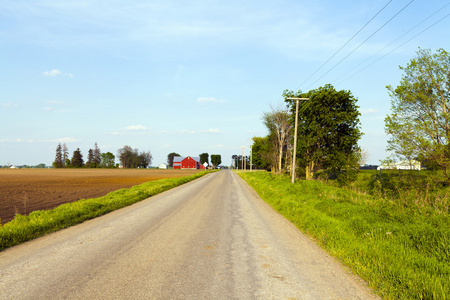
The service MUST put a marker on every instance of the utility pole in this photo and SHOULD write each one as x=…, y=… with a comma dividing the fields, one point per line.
x=245, y=158
x=251, y=157
x=243, y=153
x=295, y=135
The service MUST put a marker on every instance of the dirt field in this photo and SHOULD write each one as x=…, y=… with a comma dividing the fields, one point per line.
x=25, y=190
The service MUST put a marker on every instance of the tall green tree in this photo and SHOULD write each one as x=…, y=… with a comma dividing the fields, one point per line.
x=204, y=157
x=90, y=161
x=328, y=130
x=263, y=154
x=58, y=163
x=77, y=159
x=170, y=157
x=419, y=123
x=216, y=159
x=107, y=160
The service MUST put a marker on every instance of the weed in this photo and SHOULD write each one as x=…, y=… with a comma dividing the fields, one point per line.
x=394, y=236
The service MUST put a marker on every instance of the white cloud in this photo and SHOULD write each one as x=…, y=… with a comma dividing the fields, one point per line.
x=52, y=73
x=369, y=111
x=214, y=130
x=136, y=127
x=209, y=100
x=9, y=104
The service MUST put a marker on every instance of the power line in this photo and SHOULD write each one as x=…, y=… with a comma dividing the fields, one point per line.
x=344, y=44
x=423, y=21
x=361, y=43
x=397, y=47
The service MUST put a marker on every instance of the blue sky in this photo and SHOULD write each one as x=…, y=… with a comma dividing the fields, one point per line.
x=192, y=76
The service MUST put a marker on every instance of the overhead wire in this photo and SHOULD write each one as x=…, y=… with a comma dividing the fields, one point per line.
x=397, y=47
x=356, y=48
x=394, y=41
x=345, y=44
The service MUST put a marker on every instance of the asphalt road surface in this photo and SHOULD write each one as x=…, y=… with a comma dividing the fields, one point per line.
x=213, y=238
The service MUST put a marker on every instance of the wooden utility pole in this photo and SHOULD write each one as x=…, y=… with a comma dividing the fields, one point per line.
x=295, y=135
x=243, y=157
x=251, y=157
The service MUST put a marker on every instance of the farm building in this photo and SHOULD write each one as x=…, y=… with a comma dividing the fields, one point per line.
x=162, y=166
x=180, y=162
x=401, y=165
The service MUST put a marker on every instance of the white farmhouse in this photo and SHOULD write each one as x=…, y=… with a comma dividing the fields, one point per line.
x=401, y=165
x=162, y=166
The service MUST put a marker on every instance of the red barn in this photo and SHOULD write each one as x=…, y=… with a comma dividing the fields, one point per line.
x=180, y=162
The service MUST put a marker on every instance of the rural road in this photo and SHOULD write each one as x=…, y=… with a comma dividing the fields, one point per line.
x=213, y=238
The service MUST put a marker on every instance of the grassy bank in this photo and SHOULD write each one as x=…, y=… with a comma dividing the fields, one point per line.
x=402, y=251
x=39, y=223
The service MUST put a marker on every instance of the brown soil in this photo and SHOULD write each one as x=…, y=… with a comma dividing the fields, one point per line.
x=25, y=190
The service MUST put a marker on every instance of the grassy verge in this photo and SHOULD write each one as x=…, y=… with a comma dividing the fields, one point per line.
x=39, y=223
x=402, y=252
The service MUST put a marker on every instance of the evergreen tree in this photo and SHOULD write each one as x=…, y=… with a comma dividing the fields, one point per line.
x=96, y=156
x=58, y=163
x=65, y=155
x=77, y=159
x=90, y=162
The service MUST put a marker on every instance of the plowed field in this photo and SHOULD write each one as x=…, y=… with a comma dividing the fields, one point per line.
x=25, y=190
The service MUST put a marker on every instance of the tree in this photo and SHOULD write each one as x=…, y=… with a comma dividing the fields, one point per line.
x=263, y=156
x=127, y=156
x=90, y=161
x=65, y=152
x=216, y=159
x=96, y=159
x=170, y=157
x=77, y=159
x=131, y=158
x=145, y=159
x=419, y=124
x=204, y=158
x=58, y=163
x=328, y=130
x=107, y=160
x=279, y=125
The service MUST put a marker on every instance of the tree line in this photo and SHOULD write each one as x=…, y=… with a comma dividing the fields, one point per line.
x=129, y=158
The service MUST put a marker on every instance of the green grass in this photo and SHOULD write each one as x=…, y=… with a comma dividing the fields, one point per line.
x=38, y=223
x=401, y=250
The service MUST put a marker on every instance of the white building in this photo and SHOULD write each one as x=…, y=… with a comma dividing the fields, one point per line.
x=401, y=165
x=162, y=166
